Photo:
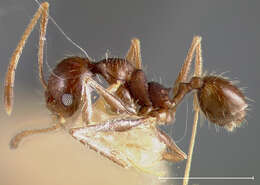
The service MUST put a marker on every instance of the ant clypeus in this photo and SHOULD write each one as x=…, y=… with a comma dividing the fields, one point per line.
x=121, y=124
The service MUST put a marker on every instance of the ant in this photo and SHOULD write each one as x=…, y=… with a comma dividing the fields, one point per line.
x=131, y=106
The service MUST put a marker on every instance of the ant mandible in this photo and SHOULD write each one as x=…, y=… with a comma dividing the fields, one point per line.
x=67, y=87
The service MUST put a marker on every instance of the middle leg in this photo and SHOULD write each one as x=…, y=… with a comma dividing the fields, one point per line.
x=175, y=154
x=134, y=54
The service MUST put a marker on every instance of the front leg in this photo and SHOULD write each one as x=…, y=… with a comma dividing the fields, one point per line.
x=110, y=98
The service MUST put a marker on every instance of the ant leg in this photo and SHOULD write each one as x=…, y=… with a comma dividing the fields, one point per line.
x=134, y=54
x=198, y=60
x=18, y=137
x=88, y=136
x=175, y=154
x=100, y=103
x=181, y=88
x=87, y=104
x=197, y=72
x=138, y=84
x=10, y=75
x=111, y=99
x=182, y=77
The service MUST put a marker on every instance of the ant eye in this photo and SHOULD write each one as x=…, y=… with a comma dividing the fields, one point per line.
x=67, y=99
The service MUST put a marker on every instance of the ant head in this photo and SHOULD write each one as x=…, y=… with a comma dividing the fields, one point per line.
x=222, y=102
x=64, y=89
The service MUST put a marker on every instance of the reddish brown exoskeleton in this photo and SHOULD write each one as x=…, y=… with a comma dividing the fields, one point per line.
x=121, y=124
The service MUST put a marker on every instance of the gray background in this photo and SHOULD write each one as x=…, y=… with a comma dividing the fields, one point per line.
x=230, y=31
